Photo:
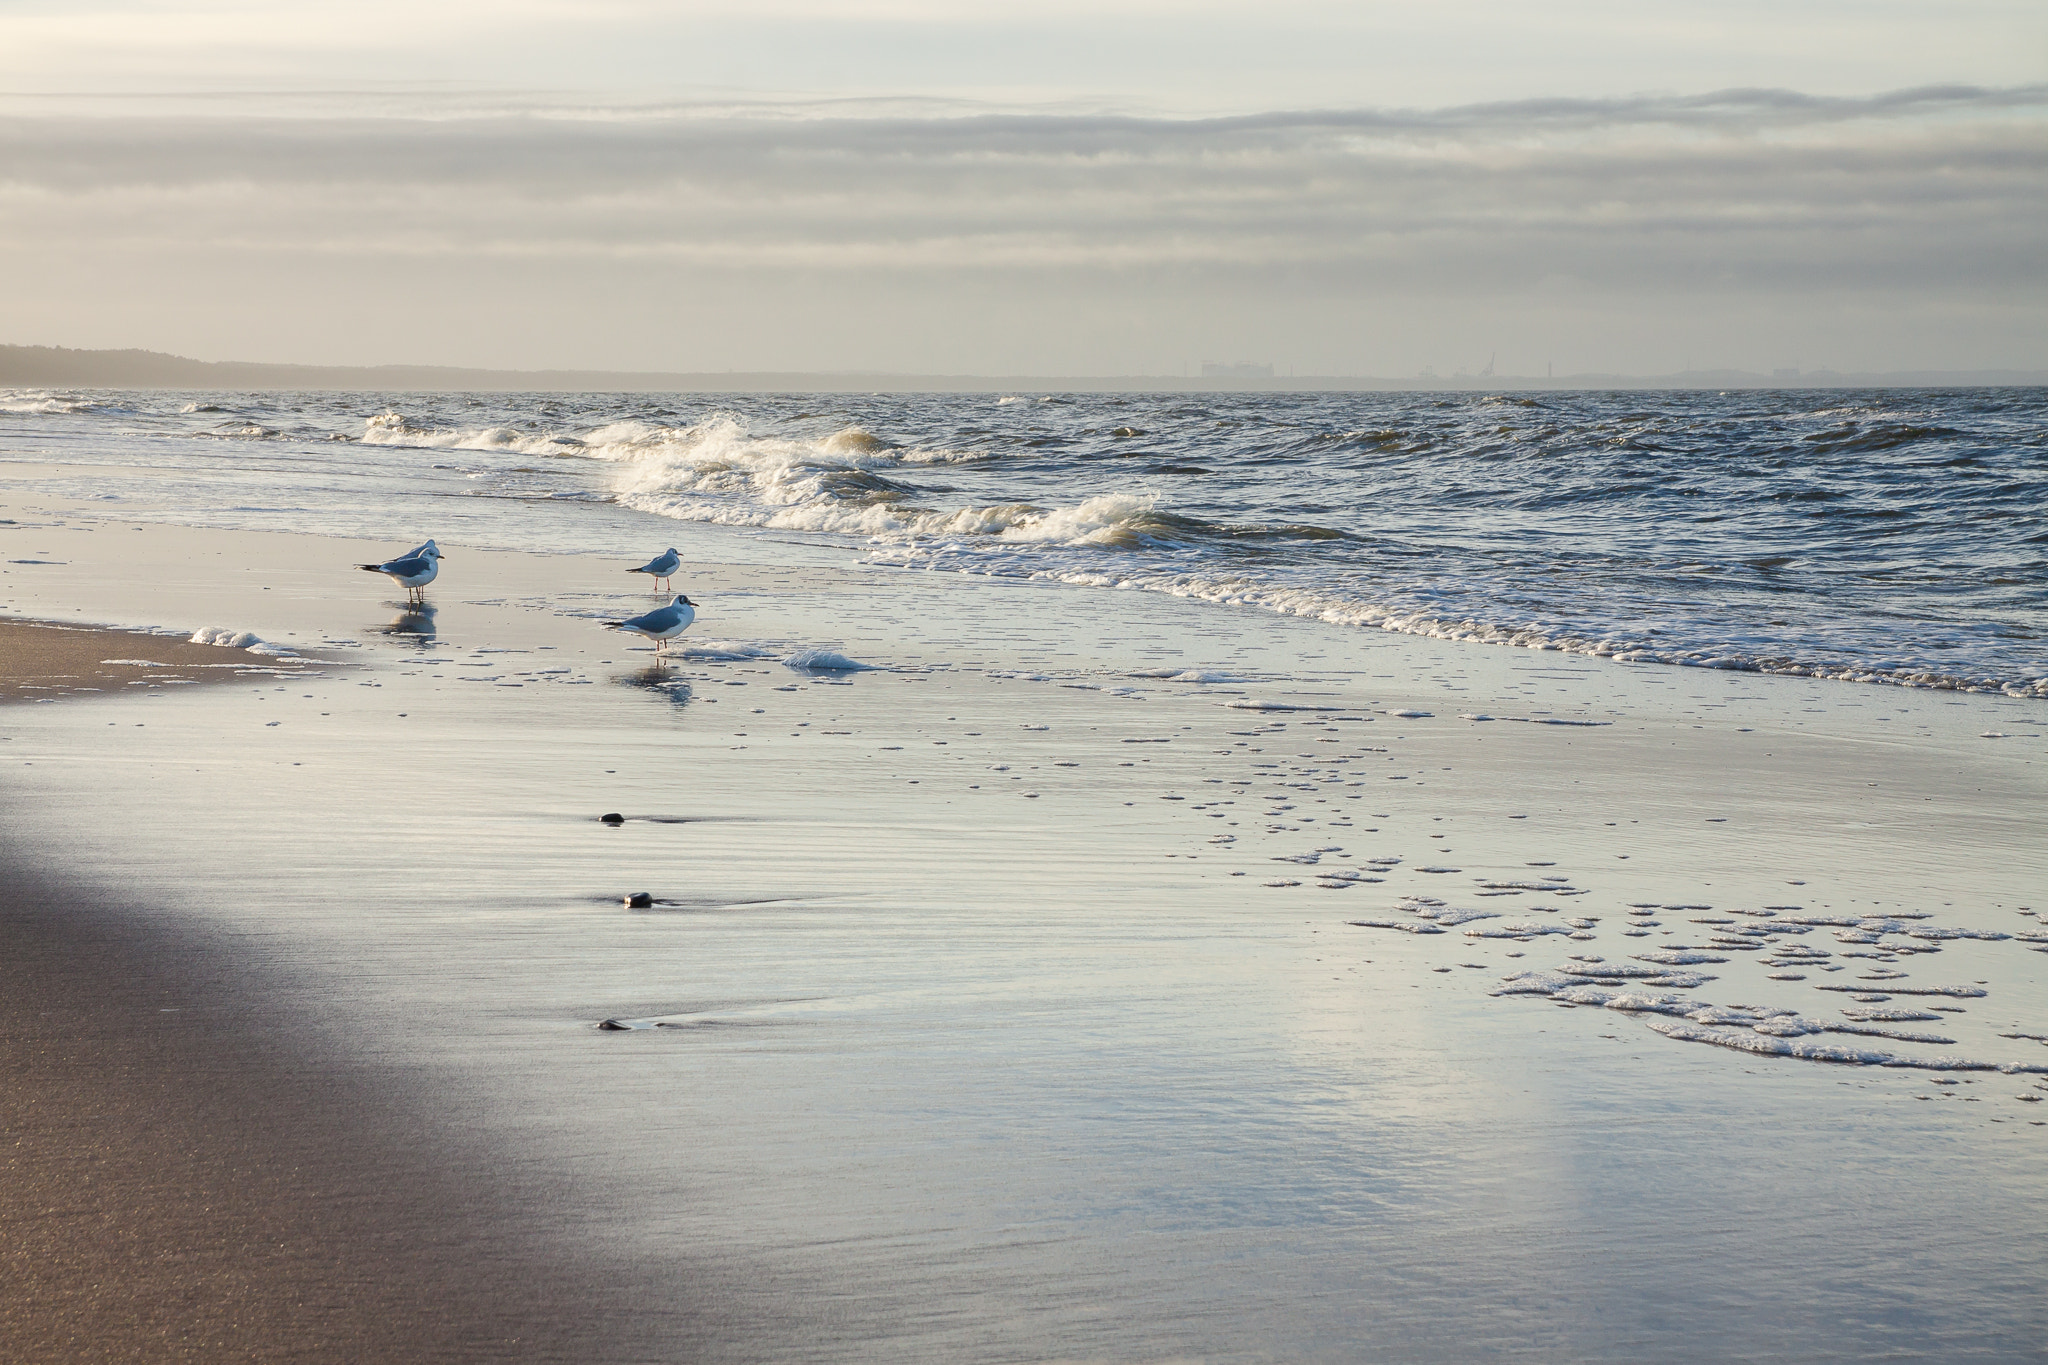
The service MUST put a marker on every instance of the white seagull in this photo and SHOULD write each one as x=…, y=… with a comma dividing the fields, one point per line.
x=414, y=571
x=662, y=624
x=662, y=567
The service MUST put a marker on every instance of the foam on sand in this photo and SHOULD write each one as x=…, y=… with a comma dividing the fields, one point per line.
x=826, y=661
x=239, y=639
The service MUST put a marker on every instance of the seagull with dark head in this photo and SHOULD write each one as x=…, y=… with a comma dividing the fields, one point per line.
x=662, y=624
x=413, y=570
x=661, y=568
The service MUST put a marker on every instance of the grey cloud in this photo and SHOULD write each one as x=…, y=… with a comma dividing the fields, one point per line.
x=1875, y=187
x=1933, y=193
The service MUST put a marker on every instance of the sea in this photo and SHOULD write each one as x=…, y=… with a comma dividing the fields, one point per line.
x=1878, y=536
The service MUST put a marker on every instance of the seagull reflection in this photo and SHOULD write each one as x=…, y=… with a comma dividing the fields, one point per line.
x=657, y=678
x=414, y=624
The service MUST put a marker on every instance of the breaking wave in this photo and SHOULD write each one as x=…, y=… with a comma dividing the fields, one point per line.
x=37, y=404
x=1892, y=537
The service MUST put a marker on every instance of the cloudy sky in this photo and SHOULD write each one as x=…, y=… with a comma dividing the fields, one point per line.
x=1116, y=187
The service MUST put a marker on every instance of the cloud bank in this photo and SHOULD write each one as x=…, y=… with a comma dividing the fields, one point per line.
x=1753, y=227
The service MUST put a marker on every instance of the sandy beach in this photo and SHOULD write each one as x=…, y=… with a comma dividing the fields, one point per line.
x=1082, y=976
x=184, y=1179
x=44, y=660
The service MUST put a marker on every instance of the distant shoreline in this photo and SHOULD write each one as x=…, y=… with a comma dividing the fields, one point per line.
x=46, y=366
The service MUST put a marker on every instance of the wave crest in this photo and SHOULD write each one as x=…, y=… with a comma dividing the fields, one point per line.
x=39, y=404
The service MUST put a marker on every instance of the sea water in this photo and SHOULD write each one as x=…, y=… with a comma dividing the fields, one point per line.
x=1879, y=536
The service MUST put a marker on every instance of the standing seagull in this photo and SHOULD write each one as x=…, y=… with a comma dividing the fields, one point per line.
x=662, y=624
x=663, y=566
x=414, y=570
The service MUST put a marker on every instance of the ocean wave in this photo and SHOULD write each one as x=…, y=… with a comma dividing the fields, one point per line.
x=38, y=404
x=1882, y=537
x=1337, y=606
x=852, y=483
x=243, y=431
x=848, y=482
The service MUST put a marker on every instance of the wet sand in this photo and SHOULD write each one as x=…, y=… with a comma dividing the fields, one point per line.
x=1006, y=1002
x=42, y=660
x=187, y=1176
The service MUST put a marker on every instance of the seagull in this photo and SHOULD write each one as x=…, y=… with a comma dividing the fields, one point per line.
x=662, y=624
x=414, y=571
x=662, y=567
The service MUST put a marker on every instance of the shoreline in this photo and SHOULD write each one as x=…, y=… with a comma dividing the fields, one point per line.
x=45, y=660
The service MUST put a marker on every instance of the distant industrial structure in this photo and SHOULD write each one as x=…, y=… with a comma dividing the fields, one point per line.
x=1240, y=370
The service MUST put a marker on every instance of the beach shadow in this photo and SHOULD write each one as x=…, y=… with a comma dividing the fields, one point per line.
x=413, y=625
x=658, y=678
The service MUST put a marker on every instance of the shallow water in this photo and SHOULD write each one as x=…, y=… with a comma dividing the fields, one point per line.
x=1882, y=536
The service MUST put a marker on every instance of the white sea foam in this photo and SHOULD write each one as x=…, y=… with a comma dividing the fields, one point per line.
x=826, y=661
x=43, y=404
x=718, y=471
x=239, y=639
x=1887, y=1014
x=1255, y=704
x=1187, y=675
x=1343, y=605
x=1750, y=1040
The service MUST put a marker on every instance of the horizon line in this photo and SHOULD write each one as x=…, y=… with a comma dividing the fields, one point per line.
x=135, y=367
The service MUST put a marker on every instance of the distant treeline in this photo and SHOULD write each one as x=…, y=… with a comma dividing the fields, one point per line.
x=60, y=367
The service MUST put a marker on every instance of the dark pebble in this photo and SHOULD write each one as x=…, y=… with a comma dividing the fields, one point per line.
x=639, y=900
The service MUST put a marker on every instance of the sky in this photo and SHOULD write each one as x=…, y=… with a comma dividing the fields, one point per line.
x=1122, y=187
